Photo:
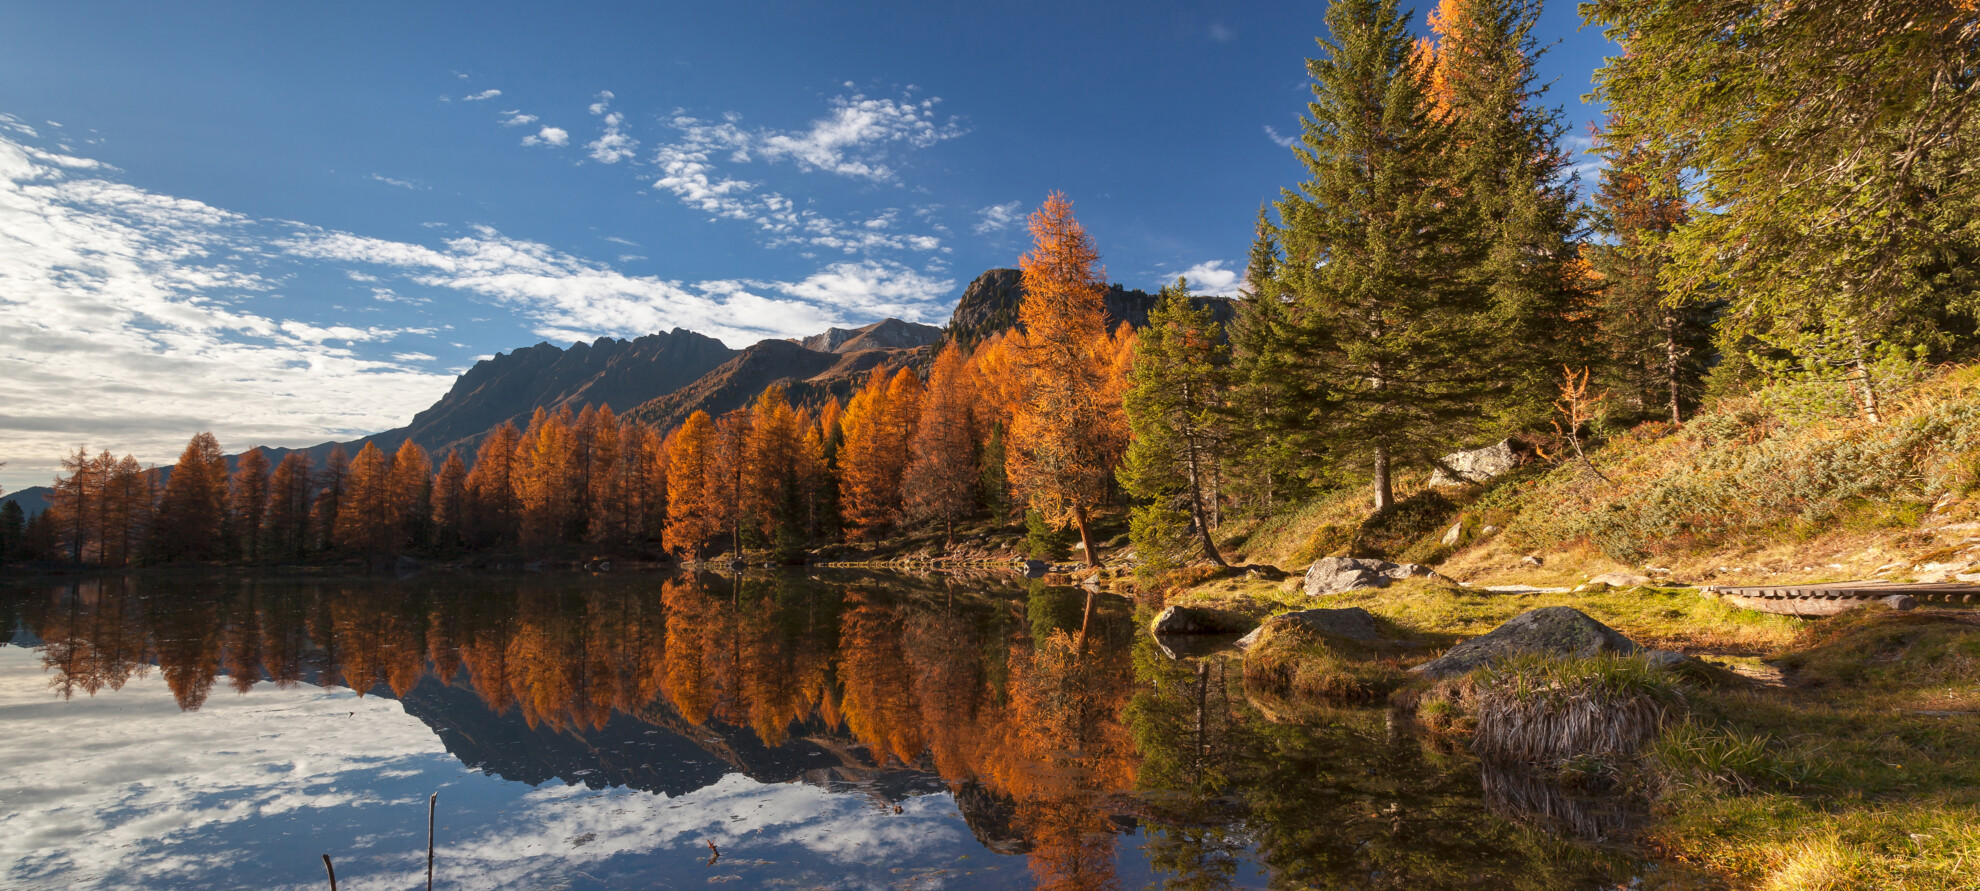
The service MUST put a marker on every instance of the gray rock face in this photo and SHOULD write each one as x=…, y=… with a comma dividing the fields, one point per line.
x=1332, y=575
x=1353, y=623
x=1547, y=631
x=1190, y=620
x=1479, y=465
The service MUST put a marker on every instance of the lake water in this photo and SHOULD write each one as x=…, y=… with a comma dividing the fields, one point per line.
x=836, y=730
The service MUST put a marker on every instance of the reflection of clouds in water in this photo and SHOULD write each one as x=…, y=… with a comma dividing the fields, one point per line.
x=108, y=787
x=126, y=790
x=742, y=817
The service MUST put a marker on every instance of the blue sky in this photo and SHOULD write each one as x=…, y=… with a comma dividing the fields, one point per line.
x=286, y=224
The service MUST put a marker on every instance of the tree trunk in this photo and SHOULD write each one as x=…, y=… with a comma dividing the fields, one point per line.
x=1196, y=510
x=1086, y=622
x=1867, y=386
x=1671, y=356
x=1384, y=492
x=1085, y=536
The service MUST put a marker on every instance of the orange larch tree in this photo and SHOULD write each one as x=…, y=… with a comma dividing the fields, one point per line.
x=191, y=511
x=939, y=483
x=364, y=519
x=247, y=502
x=692, y=520
x=491, y=487
x=1061, y=435
x=286, y=528
x=449, y=501
x=409, y=496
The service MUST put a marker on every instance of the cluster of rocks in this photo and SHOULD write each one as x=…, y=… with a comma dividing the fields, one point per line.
x=1333, y=575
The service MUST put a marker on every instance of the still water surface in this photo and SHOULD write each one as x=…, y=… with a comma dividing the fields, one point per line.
x=824, y=731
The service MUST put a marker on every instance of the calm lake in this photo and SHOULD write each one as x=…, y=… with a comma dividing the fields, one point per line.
x=830, y=730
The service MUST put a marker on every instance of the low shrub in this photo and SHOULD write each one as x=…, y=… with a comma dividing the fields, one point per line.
x=1550, y=711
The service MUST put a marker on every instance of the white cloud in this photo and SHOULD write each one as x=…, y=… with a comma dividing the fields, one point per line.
x=484, y=94
x=847, y=141
x=1210, y=277
x=998, y=217
x=612, y=146
x=604, y=101
x=548, y=136
x=515, y=118
x=569, y=298
x=131, y=320
x=401, y=183
x=1273, y=134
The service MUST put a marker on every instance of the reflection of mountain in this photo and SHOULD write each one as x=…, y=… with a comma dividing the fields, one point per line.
x=655, y=751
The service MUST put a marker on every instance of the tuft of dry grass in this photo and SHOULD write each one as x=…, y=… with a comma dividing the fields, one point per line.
x=1551, y=711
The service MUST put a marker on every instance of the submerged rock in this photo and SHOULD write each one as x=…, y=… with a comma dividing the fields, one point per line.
x=1353, y=623
x=1547, y=631
x=1332, y=575
x=1193, y=620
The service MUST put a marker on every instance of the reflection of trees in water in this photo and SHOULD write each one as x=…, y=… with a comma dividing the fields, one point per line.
x=911, y=675
x=1517, y=793
x=1345, y=800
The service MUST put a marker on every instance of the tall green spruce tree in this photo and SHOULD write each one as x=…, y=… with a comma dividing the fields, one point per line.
x=1267, y=463
x=1507, y=163
x=1834, y=149
x=1181, y=373
x=1389, y=316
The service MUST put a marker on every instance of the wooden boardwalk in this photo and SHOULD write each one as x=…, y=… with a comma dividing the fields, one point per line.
x=1835, y=597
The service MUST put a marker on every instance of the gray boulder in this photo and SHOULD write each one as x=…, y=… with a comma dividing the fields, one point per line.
x=1478, y=465
x=1036, y=569
x=1620, y=579
x=1332, y=575
x=1353, y=623
x=1547, y=631
x=1194, y=620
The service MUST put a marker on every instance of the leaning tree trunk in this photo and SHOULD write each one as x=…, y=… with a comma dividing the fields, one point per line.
x=1196, y=509
x=1085, y=535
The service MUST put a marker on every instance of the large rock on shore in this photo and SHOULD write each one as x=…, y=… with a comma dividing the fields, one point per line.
x=1547, y=631
x=1478, y=465
x=1332, y=575
x=1194, y=620
x=1353, y=623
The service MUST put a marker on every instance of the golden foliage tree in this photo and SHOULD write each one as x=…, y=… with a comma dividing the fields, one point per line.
x=449, y=501
x=692, y=520
x=939, y=483
x=362, y=517
x=286, y=527
x=247, y=501
x=491, y=487
x=409, y=494
x=191, y=510
x=1066, y=428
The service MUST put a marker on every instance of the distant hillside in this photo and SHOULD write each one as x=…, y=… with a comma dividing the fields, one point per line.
x=511, y=386
x=810, y=376
x=33, y=500
x=887, y=334
x=990, y=304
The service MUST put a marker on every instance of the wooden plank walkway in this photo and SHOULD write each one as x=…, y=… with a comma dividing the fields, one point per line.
x=1834, y=597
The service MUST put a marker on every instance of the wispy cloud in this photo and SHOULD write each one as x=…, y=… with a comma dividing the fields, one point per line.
x=401, y=183
x=1272, y=133
x=548, y=136
x=1221, y=32
x=148, y=318
x=998, y=217
x=515, y=118
x=611, y=146
x=481, y=96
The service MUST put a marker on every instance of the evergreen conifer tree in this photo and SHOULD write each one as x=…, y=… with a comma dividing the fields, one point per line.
x=1178, y=384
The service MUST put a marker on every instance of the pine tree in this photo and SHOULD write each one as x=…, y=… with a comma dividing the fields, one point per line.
x=939, y=483
x=1388, y=318
x=1508, y=167
x=1061, y=434
x=1179, y=381
x=1835, y=146
x=1656, y=346
x=1266, y=458
x=248, y=502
